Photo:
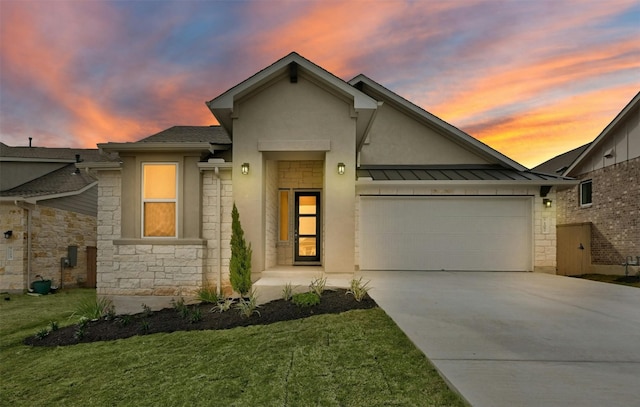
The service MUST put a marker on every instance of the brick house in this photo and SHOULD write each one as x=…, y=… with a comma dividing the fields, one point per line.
x=329, y=177
x=46, y=206
x=599, y=219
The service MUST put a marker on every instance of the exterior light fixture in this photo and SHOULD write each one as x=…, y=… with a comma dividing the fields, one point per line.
x=8, y=234
x=341, y=168
x=546, y=202
x=245, y=168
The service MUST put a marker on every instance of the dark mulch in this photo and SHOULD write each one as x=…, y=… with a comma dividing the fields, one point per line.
x=169, y=320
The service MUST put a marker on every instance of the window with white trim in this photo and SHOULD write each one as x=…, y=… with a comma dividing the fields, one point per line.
x=585, y=193
x=159, y=199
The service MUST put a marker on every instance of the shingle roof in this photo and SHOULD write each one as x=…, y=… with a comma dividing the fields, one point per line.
x=48, y=153
x=450, y=173
x=62, y=180
x=558, y=164
x=210, y=134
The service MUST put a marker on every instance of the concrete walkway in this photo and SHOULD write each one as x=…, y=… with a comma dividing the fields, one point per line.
x=521, y=339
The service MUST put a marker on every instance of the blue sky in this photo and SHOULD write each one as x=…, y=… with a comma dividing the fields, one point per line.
x=531, y=78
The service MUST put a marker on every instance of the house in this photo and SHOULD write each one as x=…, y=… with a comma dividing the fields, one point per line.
x=48, y=212
x=327, y=175
x=599, y=219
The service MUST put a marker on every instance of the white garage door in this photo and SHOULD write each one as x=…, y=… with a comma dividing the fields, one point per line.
x=445, y=233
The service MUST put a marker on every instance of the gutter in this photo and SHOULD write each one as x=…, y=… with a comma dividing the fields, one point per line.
x=369, y=182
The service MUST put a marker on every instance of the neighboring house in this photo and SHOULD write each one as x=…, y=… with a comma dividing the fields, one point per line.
x=46, y=206
x=338, y=176
x=599, y=219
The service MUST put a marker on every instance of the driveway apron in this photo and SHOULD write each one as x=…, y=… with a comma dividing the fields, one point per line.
x=520, y=339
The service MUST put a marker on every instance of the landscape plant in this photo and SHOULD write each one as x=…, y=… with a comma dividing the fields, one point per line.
x=240, y=262
x=307, y=299
x=94, y=308
x=287, y=291
x=208, y=294
x=223, y=305
x=248, y=306
x=317, y=285
x=317, y=361
x=358, y=289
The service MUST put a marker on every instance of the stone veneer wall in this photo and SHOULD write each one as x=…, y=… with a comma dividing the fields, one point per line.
x=210, y=228
x=167, y=269
x=52, y=231
x=294, y=175
x=544, y=222
x=614, y=213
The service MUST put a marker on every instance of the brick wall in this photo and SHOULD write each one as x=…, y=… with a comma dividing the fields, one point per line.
x=614, y=213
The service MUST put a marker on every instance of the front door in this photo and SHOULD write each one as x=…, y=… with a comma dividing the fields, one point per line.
x=307, y=230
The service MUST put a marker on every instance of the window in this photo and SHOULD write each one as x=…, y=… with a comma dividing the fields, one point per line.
x=159, y=200
x=284, y=215
x=585, y=193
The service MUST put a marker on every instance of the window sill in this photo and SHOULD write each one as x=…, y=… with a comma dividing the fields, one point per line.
x=589, y=205
x=161, y=241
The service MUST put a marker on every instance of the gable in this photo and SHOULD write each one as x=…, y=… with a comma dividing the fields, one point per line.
x=617, y=143
x=397, y=138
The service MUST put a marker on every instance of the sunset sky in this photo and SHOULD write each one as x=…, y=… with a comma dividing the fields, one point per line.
x=530, y=78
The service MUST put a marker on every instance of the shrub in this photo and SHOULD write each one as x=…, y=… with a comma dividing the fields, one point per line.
x=95, y=308
x=53, y=326
x=180, y=307
x=287, y=292
x=208, y=295
x=307, y=299
x=358, y=289
x=123, y=320
x=42, y=333
x=223, y=305
x=195, y=315
x=317, y=285
x=146, y=310
x=240, y=262
x=247, y=306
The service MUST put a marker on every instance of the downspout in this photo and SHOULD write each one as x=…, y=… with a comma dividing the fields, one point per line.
x=29, y=243
x=219, y=226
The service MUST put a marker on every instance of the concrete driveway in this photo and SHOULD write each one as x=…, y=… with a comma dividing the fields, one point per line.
x=521, y=339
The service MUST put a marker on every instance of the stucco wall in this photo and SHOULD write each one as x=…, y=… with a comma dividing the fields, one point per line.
x=544, y=219
x=301, y=117
x=397, y=138
x=614, y=213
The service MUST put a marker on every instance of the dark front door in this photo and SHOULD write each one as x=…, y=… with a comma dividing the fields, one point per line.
x=307, y=231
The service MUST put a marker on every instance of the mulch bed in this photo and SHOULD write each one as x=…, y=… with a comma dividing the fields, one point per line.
x=170, y=320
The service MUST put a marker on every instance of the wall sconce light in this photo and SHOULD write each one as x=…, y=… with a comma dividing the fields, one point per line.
x=546, y=202
x=245, y=168
x=341, y=168
x=8, y=234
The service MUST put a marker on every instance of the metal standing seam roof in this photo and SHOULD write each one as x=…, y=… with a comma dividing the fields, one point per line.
x=452, y=173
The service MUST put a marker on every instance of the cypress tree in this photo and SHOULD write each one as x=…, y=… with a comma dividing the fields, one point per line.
x=240, y=263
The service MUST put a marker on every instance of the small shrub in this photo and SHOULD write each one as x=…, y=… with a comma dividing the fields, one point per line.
x=80, y=332
x=42, y=333
x=208, y=295
x=317, y=285
x=195, y=315
x=145, y=326
x=287, y=292
x=248, y=307
x=123, y=320
x=358, y=289
x=83, y=322
x=224, y=305
x=95, y=308
x=240, y=262
x=307, y=299
x=181, y=308
x=53, y=326
x=146, y=310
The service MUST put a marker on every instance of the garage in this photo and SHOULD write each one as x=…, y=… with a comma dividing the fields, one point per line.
x=446, y=233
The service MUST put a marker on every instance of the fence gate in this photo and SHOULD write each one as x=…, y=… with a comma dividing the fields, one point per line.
x=574, y=248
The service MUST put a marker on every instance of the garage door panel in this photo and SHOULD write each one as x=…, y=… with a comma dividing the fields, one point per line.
x=445, y=233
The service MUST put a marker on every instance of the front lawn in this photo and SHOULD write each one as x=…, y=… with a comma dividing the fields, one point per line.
x=358, y=358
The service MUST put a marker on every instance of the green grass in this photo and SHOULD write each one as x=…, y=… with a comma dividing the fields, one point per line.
x=608, y=279
x=358, y=358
